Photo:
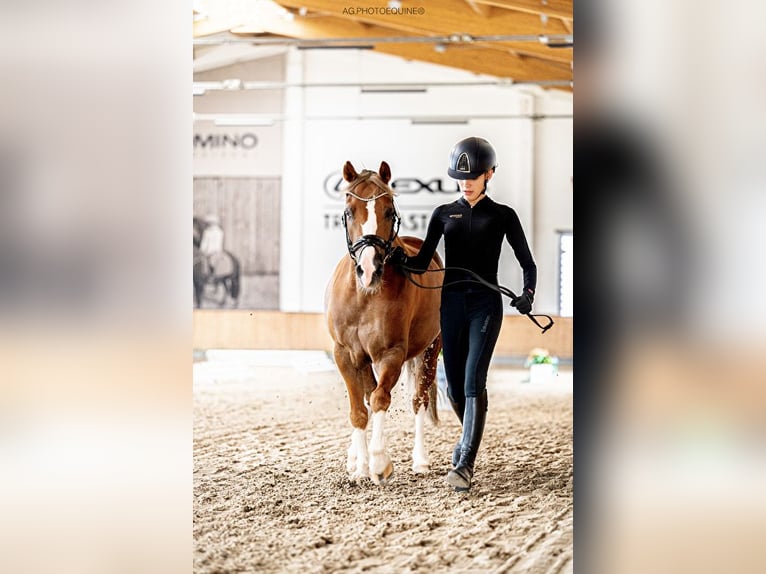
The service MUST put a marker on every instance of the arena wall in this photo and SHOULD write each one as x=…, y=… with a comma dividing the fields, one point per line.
x=239, y=329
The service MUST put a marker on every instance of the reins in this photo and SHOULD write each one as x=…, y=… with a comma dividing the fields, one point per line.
x=477, y=279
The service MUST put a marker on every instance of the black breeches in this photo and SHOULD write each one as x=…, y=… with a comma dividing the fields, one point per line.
x=470, y=324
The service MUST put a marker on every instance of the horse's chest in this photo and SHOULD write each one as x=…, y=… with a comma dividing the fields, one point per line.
x=353, y=327
x=364, y=332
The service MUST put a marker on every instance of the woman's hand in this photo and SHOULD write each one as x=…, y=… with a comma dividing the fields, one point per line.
x=523, y=303
x=398, y=257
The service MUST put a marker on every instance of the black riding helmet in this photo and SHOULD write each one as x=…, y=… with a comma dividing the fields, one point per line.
x=470, y=158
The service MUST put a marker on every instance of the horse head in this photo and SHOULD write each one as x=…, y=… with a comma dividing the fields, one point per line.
x=371, y=221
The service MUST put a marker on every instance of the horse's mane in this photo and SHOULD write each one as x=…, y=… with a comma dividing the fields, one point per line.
x=372, y=177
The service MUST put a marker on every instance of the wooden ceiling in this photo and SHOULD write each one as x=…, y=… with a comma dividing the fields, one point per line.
x=465, y=24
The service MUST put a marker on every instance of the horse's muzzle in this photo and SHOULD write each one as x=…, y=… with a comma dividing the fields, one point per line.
x=369, y=271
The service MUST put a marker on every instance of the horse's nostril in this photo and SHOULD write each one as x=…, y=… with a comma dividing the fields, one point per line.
x=359, y=271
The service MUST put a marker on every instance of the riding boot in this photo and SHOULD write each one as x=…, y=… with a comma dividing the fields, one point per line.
x=459, y=408
x=473, y=428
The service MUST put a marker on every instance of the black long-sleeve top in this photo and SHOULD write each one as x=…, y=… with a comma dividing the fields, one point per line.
x=473, y=238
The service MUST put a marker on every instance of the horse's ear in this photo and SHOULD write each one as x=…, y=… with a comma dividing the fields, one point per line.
x=349, y=173
x=384, y=172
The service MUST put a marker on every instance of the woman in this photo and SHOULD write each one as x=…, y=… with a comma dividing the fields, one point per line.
x=471, y=314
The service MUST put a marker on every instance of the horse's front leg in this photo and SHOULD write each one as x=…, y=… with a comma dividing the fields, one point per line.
x=356, y=381
x=387, y=370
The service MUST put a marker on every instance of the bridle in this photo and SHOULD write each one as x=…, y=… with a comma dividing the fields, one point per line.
x=374, y=241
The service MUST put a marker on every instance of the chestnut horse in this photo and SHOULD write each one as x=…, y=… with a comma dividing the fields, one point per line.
x=379, y=322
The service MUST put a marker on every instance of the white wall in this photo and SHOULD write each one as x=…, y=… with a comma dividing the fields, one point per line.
x=216, y=156
x=553, y=198
x=267, y=69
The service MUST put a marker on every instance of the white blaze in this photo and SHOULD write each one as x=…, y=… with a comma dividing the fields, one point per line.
x=370, y=227
x=367, y=255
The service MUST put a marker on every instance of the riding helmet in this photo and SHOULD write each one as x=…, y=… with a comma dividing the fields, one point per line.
x=470, y=158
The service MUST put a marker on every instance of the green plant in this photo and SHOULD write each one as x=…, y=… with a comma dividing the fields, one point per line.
x=539, y=356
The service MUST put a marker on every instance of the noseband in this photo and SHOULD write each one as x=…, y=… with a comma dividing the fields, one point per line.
x=374, y=241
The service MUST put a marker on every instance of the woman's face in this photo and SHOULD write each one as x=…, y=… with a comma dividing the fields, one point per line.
x=473, y=188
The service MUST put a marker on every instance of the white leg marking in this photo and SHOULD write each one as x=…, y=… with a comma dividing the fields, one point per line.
x=379, y=460
x=419, y=452
x=351, y=460
x=357, y=455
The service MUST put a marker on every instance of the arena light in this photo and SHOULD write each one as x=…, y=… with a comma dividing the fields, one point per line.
x=557, y=41
x=393, y=89
x=438, y=120
x=232, y=84
x=319, y=45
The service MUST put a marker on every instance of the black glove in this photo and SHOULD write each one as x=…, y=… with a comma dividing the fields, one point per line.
x=523, y=303
x=398, y=257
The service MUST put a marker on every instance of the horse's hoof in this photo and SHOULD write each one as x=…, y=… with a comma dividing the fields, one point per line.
x=420, y=468
x=381, y=479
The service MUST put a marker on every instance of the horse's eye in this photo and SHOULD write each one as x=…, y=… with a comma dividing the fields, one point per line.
x=349, y=214
x=390, y=213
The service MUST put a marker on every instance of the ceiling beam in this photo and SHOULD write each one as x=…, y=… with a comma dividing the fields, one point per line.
x=554, y=55
x=318, y=28
x=519, y=61
x=479, y=60
x=499, y=52
x=443, y=17
x=483, y=10
x=512, y=49
x=558, y=8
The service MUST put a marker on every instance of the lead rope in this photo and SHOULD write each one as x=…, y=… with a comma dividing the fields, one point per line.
x=477, y=279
